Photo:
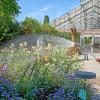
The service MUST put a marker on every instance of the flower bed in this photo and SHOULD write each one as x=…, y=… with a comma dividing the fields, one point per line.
x=41, y=73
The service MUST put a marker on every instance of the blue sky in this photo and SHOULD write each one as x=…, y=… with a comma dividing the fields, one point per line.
x=39, y=8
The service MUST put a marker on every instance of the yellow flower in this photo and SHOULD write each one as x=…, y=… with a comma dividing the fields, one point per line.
x=46, y=48
x=45, y=58
x=1, y=65
x=49, y=45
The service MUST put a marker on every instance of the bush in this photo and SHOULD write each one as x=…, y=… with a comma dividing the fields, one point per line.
x=49, y=29
x=14, y=30
x=88, y=40
x=8, y=11
x=31, y=25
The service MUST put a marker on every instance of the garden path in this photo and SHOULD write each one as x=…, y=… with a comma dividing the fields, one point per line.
x=92, y=65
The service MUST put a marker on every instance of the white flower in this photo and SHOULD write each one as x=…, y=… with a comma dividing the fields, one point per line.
x=28, y=51
x=49, y=45
x=12, y=44
x=33, y=47
x=21, y=45
x=25, y=43
x=2, y=50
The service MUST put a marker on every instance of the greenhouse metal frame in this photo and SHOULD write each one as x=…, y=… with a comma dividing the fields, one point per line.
x=84, y=17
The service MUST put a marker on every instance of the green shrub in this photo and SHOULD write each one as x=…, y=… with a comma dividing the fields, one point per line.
x=8, y=11
x=31, y=25
x=49, y=29
x=87, y=40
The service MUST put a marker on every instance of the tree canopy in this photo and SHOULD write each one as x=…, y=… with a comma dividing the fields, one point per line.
x=31, y=25
x=9, y=9
x=46, y=20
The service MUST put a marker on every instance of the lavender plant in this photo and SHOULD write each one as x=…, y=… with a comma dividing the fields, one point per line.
x=7, y=90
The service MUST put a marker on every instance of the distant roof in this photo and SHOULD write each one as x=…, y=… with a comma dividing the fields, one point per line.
x=84, y=32
x=90, y=32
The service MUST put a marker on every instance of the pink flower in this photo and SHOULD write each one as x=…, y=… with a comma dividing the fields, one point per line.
x=3, y=68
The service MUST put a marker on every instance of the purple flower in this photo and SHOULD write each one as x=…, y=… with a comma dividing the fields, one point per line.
x=4, y=94
x=7, y=89
x=58, y=95
x=3, y=68
x=70, y=95
x=4, y=81
x=1, y=89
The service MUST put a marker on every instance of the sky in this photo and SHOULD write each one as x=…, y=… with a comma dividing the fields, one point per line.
x=37, y=9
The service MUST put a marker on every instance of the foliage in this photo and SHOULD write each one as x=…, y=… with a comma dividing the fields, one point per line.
x=46, y=20
x=67, y=35
x=31, y=25
x=15, y=27
x=8, y=10
x=60, y=94
x=87, y=40
x=40, y=73
x=7, y=90
x=14, y=30
x=47, y=28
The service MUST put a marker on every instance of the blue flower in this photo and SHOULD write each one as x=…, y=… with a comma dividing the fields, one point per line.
x=7, y=90
x=58, y=95
x=1, y=89
x=5, y=94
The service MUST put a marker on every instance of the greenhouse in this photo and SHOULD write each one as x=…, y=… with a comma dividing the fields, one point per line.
x=86, y=16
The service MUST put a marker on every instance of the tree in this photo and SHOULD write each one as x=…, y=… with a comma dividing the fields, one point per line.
x=46, y=20
x=9, y=9
x=31, y=25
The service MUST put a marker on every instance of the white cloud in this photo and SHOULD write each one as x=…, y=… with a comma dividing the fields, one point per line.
x=47, y=7
x=41, y=11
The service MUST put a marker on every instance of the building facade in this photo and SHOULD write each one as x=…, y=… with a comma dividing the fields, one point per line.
x=84, y=17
